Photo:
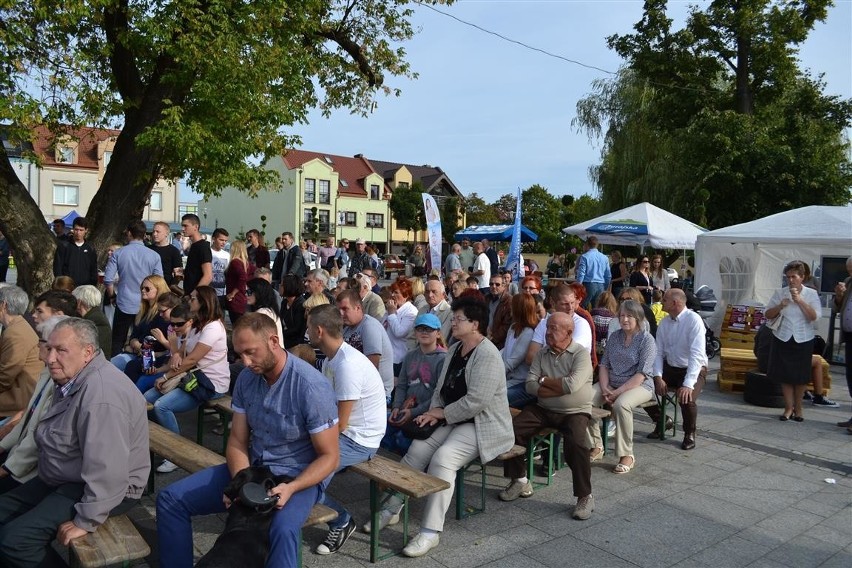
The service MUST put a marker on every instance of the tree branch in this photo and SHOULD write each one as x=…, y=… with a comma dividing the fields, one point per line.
x=355, y=52
x=127, y=77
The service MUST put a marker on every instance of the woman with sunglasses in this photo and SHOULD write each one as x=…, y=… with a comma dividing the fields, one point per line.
x=205, y=356
x=161, y=349
x=148, y=317
x=180, y=319
x=640, y=278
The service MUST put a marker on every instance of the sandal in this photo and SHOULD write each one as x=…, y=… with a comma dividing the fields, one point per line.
x=623, y=467
x=596, y=454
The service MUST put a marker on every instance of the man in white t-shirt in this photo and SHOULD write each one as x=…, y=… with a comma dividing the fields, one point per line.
x=481, y=268
x=221, y=257
x=366, y=334
x=564, y=300
x=361, y=408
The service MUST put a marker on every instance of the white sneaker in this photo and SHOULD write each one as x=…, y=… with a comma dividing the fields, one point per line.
x=166, y=467
x=386, y=518
x=420, y=545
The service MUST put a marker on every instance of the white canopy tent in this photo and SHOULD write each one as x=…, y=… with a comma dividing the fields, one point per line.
x=743, y=263
x=643, y=225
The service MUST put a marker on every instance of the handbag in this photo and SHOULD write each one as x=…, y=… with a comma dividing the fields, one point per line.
x=190, y=379
x=775, y=323
x=414, y=432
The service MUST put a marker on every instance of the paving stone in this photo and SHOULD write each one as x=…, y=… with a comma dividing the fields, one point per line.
x=803, y=552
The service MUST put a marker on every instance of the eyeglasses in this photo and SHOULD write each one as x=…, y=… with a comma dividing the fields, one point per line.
x=424, y=329
x=455, y=319
x=193, y=297
x=496, y=284
x=146, y=288
x=249, y=292
x=530, y=288
x=646, y=262
x=162, y=310
x=626, y=316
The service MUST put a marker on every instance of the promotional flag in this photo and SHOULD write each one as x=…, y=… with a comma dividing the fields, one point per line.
x=433, y=227
x=513, y=259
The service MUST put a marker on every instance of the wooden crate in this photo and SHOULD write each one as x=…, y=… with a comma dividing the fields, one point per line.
x=731, y=386
x=739, y=326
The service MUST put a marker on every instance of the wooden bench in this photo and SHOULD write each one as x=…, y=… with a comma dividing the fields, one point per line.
x=222, y=407
x=735, y=363
x=115, y=542
x=192, y=457
x=398, y=477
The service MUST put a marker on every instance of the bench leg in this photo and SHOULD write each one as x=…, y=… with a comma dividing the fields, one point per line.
x=663, y=401
x=375, y=508
x=462, y=509
x=199, y=428
x=605, y=433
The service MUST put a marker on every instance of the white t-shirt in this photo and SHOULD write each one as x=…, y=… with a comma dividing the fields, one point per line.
x=582, y=332
x=215, y=363
x=482, y=263
x=354, y=377
x=220, y=263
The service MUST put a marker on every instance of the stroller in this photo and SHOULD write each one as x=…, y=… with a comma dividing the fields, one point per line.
x=704, y=302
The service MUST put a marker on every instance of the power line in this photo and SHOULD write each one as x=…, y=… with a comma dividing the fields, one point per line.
x=517, y=42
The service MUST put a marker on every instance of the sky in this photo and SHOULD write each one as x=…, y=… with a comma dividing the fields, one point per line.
x=496, y=116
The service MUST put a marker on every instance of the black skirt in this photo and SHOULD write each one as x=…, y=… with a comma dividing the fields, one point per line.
x=790, y=362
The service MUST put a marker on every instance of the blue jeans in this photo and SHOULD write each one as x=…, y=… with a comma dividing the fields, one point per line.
x=350, y=454
x=121, y=360
x=395, y=441
x=166, y=405
x=518, y=396
x=201, y=494
x=146, y=382
x=593, y=290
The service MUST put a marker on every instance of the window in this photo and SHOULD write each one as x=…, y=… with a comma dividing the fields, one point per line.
x=308, y=216
x=324, y=191
x=65, y=154
x=347, y=218
x=375, y=220
x=374, y=191
x=310, y=190
x=107, y=158
x=186, y=209
x=402, y=184
x=324, y=225
x=156, y=201
x=65, y=194
x=737, y=277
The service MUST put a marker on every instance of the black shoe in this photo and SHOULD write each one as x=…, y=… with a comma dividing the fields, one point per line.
x=807, y=396
x=797, y=418
x=336, y=538
x=655, y=435
x=784, y=417
x=688, y=442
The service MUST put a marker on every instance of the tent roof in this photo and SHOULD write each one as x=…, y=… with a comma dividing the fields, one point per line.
x=642, y=224
x=495, y=233
x=815, y=224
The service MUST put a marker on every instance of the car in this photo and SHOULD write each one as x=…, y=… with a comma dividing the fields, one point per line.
x=393, y=263
x=314, y=264
x=673, y=275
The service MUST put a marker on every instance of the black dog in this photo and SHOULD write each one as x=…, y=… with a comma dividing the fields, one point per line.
x=245, y=541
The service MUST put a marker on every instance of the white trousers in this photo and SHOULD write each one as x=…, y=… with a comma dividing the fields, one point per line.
x=622, y=416
x=445, y=452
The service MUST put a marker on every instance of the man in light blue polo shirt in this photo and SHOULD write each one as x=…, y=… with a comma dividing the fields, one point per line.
x=131, y=264
x=593, y=272
x=285, y=417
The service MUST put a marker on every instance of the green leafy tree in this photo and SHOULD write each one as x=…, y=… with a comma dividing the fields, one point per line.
x=204, y=90
x=542, y=213
x=450, y=217
x=406, y=205
x=478, y=211
x=716, y=122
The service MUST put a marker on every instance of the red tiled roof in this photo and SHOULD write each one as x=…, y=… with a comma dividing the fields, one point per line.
x=349, y=169
x=87, y=148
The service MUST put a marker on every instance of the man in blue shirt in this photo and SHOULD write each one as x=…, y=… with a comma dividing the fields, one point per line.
x=285, y=417
x=131, y=264
x=593, y=272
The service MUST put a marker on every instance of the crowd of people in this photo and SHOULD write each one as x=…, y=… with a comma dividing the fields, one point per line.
x=325, y=366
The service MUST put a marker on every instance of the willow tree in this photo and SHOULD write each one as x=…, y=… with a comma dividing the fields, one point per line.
x=205, y=90
x=716, y=121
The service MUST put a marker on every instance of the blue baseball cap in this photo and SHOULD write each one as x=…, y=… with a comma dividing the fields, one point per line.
x=429, y=320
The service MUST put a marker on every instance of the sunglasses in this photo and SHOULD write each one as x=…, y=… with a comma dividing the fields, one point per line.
x=178, y=323
x=249, y=293
x=146, y=288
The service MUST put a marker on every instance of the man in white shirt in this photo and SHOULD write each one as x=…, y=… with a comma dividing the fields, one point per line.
x=366, y=334
x=361, y=408
x=681, y=362
x=481, y=268
x=221, y=258
x=564, y=300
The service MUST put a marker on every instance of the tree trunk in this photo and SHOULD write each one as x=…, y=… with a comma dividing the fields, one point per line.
x=23, y=224
x=743, y=98
x=125, y=189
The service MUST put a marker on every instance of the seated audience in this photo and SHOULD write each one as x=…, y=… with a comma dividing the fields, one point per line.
x=19, y=362
x=89, y=300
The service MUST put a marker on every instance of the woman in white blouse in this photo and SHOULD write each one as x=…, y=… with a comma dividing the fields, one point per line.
x=792, y=338
x=399, y=320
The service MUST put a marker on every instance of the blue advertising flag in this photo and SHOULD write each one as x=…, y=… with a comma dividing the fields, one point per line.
x=513, y=259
